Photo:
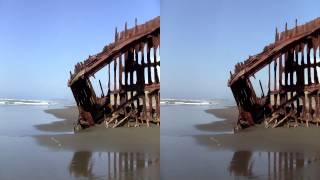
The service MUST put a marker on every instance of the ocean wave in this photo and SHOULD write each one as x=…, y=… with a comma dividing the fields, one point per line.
x=9, y=101
x=188, y=102
x=166, y=101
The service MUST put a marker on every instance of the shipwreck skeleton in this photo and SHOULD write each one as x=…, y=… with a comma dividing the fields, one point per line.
x=135, y=95
x=293, y=90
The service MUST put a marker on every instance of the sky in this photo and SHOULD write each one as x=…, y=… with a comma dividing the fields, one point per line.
x=40, y=41
x=202, y=40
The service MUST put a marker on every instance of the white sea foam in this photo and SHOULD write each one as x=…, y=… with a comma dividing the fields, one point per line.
x=10, y=101
x=170, y=101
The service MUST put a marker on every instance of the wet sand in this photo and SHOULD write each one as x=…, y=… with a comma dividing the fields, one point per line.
x=201, y=145
x=97, y=138
x=258, y=152
x=228, y=118
x=67, y=116
x=257, y=138
x=140, y=146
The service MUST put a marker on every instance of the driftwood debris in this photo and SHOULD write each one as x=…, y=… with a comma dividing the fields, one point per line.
x=293, y=63
x=133, y=79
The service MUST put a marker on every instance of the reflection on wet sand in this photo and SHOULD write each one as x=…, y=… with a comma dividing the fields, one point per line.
x=281, y=165
x=114, y=165
x=81, y=165
x=241, y=164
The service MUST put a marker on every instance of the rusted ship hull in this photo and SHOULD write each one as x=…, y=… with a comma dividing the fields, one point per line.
x=293, y=88
x=133, y=87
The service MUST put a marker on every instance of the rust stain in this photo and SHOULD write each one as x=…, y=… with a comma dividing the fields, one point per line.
x=293, y=99
x=135, y=98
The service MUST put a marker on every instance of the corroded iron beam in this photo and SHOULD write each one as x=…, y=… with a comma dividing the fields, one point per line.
x=294, y=96
x=134, y=95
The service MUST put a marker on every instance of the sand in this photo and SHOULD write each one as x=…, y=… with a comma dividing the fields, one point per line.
x=140, y=145
x=67, y=116
x=257, y=138
x=98, y=138
x=228, y=118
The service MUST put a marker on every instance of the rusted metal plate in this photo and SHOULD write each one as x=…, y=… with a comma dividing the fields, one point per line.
x=293, y=99
x=138, y=98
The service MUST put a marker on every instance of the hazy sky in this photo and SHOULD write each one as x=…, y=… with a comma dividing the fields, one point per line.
x=41, y=40
x=201, y=40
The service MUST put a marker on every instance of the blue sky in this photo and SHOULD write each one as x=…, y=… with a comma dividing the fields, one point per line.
x=201, y=40
x=40, y=41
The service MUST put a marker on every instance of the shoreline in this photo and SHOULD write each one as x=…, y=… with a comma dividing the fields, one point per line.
x=228, y=115
x=66, y=117
x=256, y=138
x=97, y=138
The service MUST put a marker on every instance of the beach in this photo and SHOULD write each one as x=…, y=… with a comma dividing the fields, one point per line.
x=123, y=139
x=206, y=147
x=196, y=142
x=42, y=145
x=301, y=139
x=291, y=153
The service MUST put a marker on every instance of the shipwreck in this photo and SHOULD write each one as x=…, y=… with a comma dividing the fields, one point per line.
x=292, y=64
x=132, y=93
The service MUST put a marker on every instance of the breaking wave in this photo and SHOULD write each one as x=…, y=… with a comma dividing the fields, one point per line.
x=169, y=101
x=8, y=101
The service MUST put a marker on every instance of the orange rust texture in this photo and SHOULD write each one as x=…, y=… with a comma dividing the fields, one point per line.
x=130, y=56
x=295, y=56
x=121, y=39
